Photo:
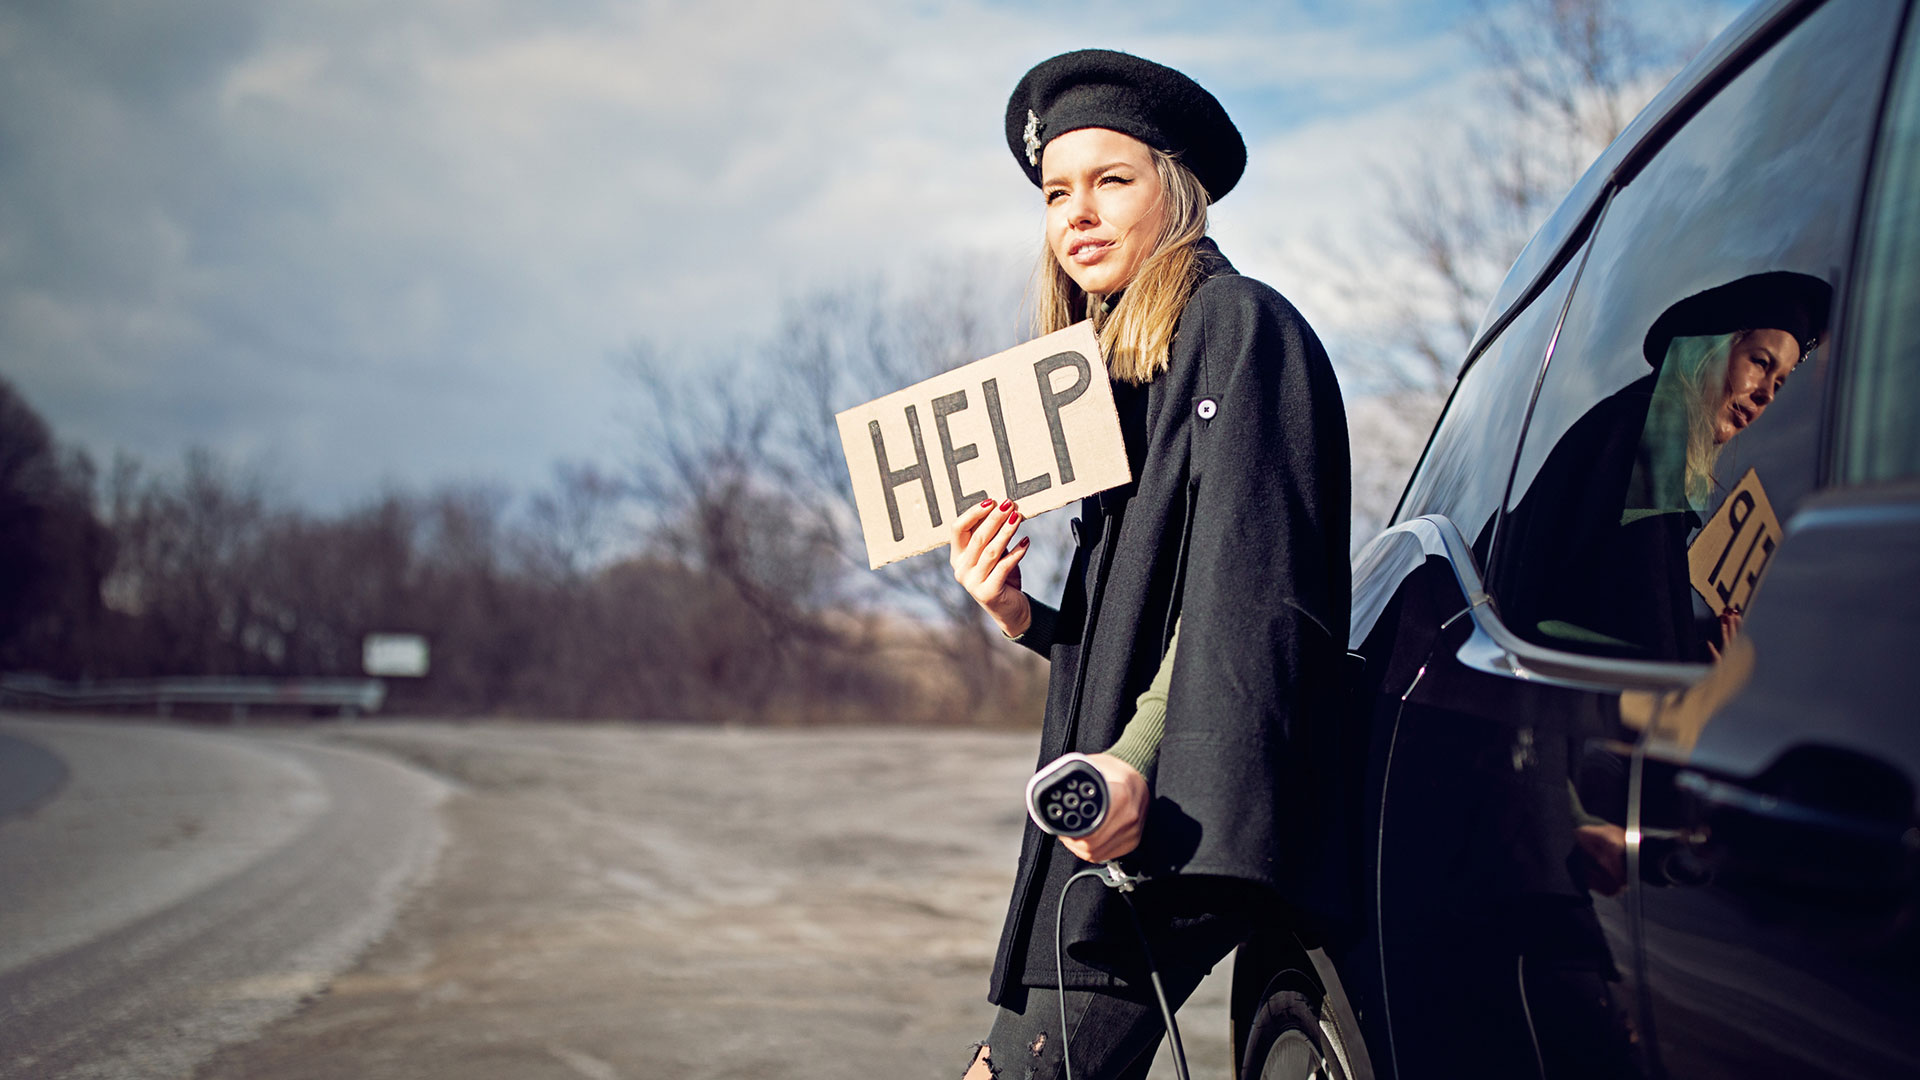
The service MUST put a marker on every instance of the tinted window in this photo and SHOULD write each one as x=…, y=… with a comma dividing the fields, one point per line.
x=1684, y=360
x=1883, y=442
x=1464, y=472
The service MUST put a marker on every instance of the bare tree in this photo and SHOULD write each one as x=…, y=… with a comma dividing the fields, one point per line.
x=187, y=564
x=1581, y=69
x=573, y=526
x=336, y=580
x=839, y=347
x=1566, y=77
x=752, y=576
x=53, y=552
x=747, y=487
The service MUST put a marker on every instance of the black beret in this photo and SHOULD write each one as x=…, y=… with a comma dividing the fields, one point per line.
x=1153, y=103
x=1797, y=304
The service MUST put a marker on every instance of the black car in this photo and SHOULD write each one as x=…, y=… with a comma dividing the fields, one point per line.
x=1631, y=760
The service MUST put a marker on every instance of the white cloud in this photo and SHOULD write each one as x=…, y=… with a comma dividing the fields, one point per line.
x=402, y=241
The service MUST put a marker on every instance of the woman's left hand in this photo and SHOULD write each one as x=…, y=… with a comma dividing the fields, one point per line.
x=1730, y=620
x=1127, y=799
x=1603, y=851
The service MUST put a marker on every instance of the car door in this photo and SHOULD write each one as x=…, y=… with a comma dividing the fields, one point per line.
x=1471, y=817
x=1640, y=457
x=1779, y=914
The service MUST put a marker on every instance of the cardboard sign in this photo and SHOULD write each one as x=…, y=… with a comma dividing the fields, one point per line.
x=1035, y=424
x=1734, y=548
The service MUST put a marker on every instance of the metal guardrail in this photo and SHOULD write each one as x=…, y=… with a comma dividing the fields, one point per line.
x=349, y=695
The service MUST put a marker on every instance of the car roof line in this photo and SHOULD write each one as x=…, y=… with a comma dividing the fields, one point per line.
x=1750, y=33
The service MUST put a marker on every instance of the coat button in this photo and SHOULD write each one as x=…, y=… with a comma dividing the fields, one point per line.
x=1206, y=408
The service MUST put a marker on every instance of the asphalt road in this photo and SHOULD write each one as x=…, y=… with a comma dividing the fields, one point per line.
x=183, y=889
x=608, y=902
x=29, y=775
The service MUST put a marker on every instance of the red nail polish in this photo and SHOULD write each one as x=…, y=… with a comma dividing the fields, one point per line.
x=1008, y=505
x=1013, y=519
x=1024, y=541
x=988, y=505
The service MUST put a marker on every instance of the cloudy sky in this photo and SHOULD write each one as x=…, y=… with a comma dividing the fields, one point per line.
x=348, y=244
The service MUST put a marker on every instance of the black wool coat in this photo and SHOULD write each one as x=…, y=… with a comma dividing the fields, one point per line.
x=1236, y=524
x=1571, y=560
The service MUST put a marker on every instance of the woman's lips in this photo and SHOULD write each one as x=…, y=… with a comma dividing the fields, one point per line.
x=1088, y=251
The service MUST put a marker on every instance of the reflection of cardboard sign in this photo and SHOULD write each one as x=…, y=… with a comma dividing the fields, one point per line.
x=1035, y=423
x=1734, y=548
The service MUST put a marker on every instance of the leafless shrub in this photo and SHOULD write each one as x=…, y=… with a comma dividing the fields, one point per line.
x=1566, y=77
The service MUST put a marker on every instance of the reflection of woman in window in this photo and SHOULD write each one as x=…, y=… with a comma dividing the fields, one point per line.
x=1714, y=382
x=1601, y=537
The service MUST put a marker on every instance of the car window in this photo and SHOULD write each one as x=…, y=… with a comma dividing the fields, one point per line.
x=1464, y=471
x=1883, y=441
x=1687, y=378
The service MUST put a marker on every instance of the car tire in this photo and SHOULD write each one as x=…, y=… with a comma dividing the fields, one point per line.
x=1292, y=1036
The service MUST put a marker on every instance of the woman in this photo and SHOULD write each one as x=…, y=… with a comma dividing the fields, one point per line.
x=1598, y=546
x=1234, y=530
x=1720, y=357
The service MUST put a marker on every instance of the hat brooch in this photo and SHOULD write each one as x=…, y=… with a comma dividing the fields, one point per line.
x=1033, y=138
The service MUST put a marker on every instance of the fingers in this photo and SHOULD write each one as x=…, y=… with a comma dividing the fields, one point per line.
x=980, y=544
x=998, y=577
x=964, y=528
x=1110, y=841
x=980, y=539
x=986, y=562
x=1119, y=840
x=1604, y=851
x=996, y=545
x=1731, y=617
x=1126, y=819
x=972, y=529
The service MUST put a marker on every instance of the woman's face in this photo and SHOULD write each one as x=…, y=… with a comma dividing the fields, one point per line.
x=1105, y=206
x=1757, y=367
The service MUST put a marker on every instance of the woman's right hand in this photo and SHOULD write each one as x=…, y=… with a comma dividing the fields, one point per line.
x=986, y=560
x=1127, y=799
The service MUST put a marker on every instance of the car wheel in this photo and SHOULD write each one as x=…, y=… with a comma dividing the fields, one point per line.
x=1290, y=1039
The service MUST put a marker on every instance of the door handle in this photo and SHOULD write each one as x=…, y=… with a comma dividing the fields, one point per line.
x=1721, y=796
x=1827, y=833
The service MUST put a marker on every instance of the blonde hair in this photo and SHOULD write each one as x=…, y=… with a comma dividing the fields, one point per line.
x=1704, y=379
x=1136, y=336
x=1701, y=367
x=1679, y=452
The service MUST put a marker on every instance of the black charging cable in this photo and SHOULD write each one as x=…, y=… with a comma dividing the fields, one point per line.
x=1069, y=798
x=1114, y=878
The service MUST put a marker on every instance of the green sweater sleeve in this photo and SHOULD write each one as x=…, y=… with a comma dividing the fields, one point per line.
x=1139, y=741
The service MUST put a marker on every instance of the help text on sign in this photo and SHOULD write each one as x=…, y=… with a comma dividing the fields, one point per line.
x=1035, y=424
x=1734, y=548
